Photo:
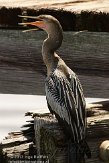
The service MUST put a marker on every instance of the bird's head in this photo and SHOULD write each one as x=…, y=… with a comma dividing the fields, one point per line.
x=49, y=24
x=44, y=22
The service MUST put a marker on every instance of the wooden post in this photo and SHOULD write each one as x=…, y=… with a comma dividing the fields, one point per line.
x=54, y=144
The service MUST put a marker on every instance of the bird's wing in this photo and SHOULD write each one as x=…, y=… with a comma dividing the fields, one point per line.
x=66, y=101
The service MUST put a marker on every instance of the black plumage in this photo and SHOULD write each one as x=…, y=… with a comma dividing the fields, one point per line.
x=64, y=92
x=66, y=101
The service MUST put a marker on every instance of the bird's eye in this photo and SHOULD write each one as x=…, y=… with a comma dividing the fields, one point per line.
x=46, y=19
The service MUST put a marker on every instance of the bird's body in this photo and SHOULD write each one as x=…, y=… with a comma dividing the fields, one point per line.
x=65, y=100
x=64, y=92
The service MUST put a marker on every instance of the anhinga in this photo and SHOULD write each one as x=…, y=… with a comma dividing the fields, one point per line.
x=64, y=92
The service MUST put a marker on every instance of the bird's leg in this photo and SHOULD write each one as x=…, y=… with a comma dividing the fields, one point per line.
x=74, y=154
x=71, y=152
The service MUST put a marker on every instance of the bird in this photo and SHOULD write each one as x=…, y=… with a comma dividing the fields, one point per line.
x=64, y=92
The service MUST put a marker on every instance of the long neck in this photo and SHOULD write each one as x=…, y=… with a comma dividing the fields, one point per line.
x=50, y=45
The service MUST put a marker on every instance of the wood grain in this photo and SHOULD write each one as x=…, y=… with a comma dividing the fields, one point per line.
x=70, y=5
x=53, y=142
x=22, y=70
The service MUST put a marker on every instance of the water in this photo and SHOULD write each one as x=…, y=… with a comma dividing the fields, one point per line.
x=14, y=107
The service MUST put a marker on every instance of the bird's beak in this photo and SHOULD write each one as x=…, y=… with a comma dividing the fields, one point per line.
x=39, y=23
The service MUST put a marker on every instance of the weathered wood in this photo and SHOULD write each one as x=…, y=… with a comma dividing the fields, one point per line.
x=19, y=146
x=22, y=70
x=91, y=15
x=16, y=144
x=53, y=142
x=97, y=108
x=70, y=20
x=71, y=5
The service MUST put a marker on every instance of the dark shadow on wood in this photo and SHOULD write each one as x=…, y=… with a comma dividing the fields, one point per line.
x=70, y=21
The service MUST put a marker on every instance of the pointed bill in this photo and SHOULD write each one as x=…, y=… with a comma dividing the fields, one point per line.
x=28, y=17
x=29, y=30
x=38, y=23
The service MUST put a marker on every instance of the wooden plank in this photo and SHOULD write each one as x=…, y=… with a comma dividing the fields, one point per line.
x=70, y=5
x=13, y=108
x=22, y=70
x=70, y=20
x=53, y=142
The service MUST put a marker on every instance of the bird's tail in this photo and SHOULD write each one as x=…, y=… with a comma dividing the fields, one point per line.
x=77, y=152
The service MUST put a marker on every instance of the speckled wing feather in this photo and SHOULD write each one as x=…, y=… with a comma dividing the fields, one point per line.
x=66, y=100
